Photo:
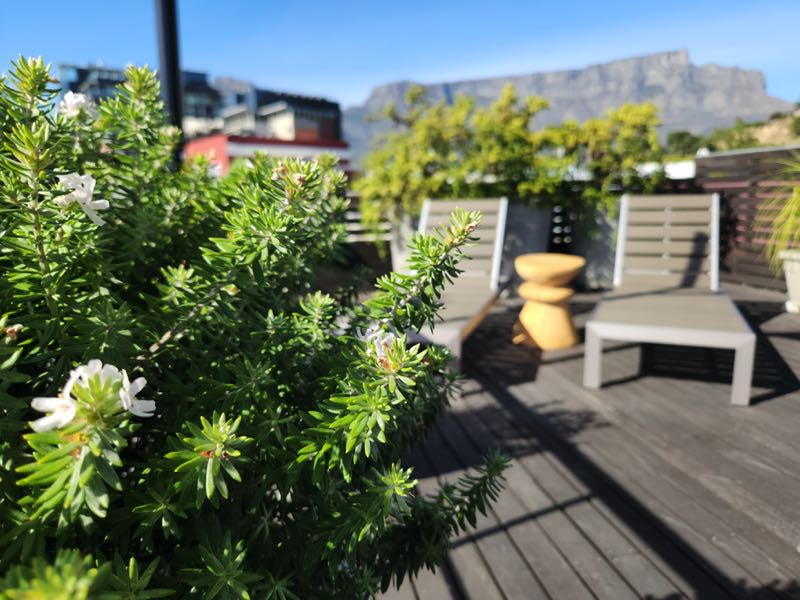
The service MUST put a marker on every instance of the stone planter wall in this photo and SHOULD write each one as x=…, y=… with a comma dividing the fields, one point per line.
x=527, y=230
x=791, y=268
x=398, y=244
x=598, y=248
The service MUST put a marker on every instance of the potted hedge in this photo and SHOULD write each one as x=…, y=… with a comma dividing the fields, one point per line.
x=460, y=150
x=606, y=156
x=783, y=247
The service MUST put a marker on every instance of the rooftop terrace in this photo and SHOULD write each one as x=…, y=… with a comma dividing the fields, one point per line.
x=652, y=487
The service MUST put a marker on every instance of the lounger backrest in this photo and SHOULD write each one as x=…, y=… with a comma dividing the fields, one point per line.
x=674, y=238
x=487, y=253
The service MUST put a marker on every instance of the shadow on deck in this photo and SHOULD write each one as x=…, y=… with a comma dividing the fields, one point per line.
x=652, y=487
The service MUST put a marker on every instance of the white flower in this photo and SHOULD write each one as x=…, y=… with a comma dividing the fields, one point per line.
x=378, y=341
x=72, y=104
x=61, y=410
x=129, y=401
x=109, y=374
x=82, y=187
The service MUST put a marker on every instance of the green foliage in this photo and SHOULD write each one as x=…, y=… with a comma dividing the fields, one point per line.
x=684, y=143
x=736, y=137
x=505, y=159
x=69, y=577
x=612, y=147
x=453, y=150
x=211, y=458
x=783, y=210
x=460, y=150
x=128, y=583
x=266, y=460
x=795, y=126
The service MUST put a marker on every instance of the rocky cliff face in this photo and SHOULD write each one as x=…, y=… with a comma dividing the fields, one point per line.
x=694, y=97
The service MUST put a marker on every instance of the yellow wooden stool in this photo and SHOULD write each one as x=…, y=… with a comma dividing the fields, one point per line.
x=545, y=320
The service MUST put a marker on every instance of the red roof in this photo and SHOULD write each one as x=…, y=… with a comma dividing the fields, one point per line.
x=255, y=139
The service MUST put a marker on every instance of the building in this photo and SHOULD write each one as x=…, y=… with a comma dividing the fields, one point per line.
x=230, y=118
x=280, y=115
x=222, y=149
x=202, y=103
x=274, y=123
x=96, y=81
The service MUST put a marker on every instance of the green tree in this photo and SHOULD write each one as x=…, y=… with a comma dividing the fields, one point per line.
x=458, y=150
x=182, y=412
x=443, y=150
x=608, y=153
x=506, y=156
x=736, y=137
x=424, y=158
x=620, y=142
x=684, y=143
x=795, y=126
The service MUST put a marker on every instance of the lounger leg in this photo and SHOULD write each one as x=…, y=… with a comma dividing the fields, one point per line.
x=743, y=372
x=592, y=358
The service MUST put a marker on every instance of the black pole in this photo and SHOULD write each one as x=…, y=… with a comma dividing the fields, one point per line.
x=169, y=63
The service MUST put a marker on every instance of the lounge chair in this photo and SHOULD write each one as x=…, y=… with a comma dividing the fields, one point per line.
x=666, y=286
x=471, y=295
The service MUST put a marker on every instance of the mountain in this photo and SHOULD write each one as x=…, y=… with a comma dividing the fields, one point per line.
x=689, y=96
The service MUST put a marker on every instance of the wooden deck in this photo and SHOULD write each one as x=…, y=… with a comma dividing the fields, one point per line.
x=653, y=487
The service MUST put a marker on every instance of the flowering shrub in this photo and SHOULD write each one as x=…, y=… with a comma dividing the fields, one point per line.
x=182, y=413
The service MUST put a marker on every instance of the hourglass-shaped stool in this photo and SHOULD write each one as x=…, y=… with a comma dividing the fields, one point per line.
x=545, y=320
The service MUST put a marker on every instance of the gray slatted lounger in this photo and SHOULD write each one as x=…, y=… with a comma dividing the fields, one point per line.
x=471, y=295
x=666, y=286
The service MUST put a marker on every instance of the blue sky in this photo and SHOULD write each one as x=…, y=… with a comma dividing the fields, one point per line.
x=342, y=49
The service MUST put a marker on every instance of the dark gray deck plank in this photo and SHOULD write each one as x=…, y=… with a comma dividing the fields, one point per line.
x=429, y=585
x=521, y=519
x=549, y=563
x=754, y=488
x=406, y=592
x=469, y=568
x=472, y=573
x=770, y=466
x=655, y=484
x=507, y=566
x=690, y=578
x=624, y=561
x=697, y=422
x=594, y=567
x=678, y=500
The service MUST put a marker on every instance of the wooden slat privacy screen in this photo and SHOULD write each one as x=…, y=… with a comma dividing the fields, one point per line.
x=745, y=180
x=356, y=232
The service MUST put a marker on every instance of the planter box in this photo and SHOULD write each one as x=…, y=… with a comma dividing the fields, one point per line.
x=598, y=248
x=398, y=243
x=527, y=230
x=791, y=269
